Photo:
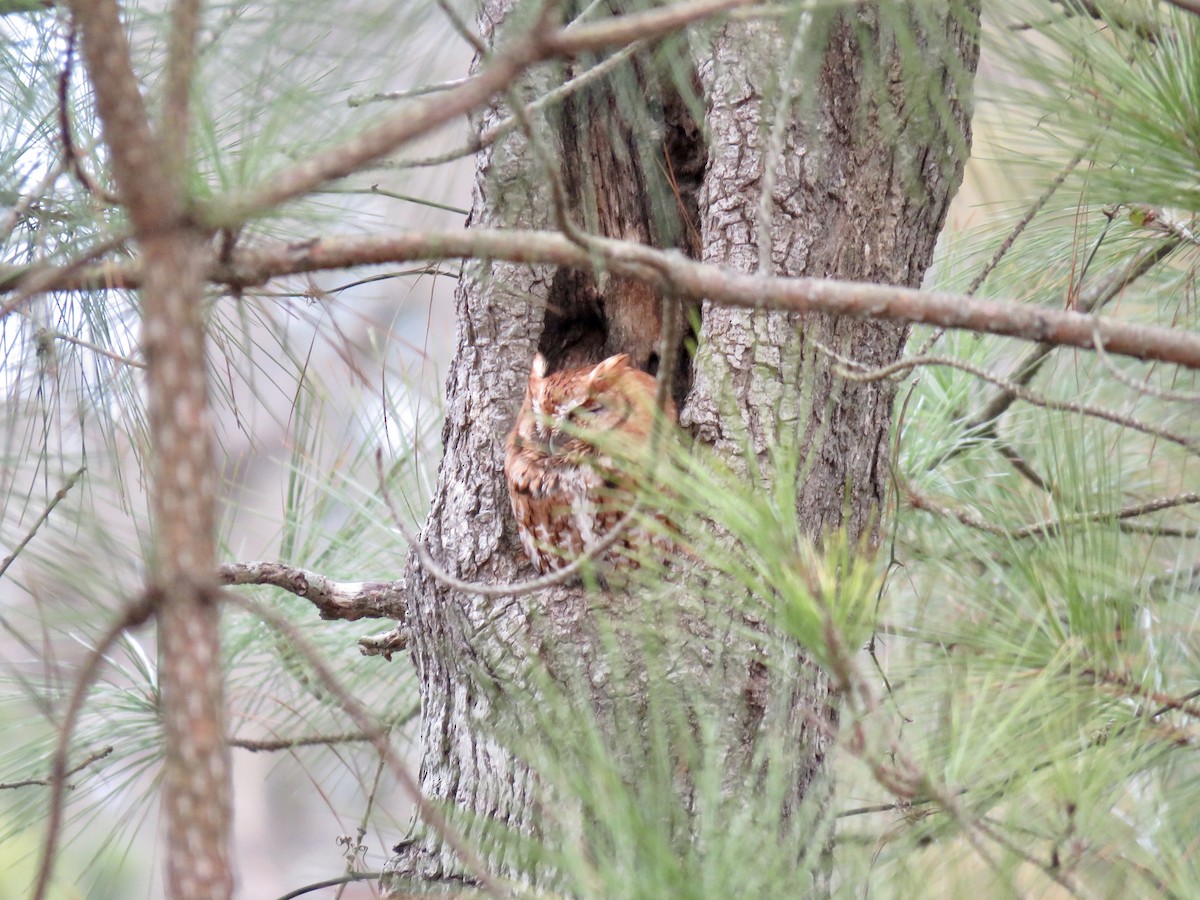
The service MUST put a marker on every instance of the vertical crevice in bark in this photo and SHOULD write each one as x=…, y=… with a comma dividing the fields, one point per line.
x=860, y=188
x=852, y=201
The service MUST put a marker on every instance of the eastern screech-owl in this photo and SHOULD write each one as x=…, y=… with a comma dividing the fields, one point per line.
x=566, y=491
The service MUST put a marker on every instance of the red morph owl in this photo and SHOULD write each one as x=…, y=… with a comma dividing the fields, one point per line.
x=566, y=490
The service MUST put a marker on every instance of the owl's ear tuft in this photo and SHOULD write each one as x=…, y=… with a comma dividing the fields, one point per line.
x=538, y=369
x=604, y=373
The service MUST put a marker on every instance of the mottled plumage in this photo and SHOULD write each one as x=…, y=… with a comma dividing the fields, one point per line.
x=566, y=491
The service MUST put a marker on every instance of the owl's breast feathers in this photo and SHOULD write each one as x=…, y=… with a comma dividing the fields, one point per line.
x=557, y=504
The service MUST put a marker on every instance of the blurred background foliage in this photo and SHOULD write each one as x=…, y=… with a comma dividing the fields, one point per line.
x=1019, y=656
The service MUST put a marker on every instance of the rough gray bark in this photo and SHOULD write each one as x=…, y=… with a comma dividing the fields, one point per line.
x=860, y=188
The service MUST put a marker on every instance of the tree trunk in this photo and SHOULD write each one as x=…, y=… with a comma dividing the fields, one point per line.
x=863, y=169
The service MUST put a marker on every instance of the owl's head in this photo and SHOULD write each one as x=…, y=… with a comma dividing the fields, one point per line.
x=569, y=412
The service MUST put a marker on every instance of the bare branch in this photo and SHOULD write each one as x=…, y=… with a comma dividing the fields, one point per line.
x=335, y=600
x=542, y=42
x=316, y=740
x=669, y=270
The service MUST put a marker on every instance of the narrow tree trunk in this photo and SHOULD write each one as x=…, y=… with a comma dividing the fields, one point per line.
x=149, y=170
x=861, y=173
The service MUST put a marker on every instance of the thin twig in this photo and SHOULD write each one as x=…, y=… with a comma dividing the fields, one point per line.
x=505, y=126
x=330, y=882
x=367, y=723
x=136, y=614
x=1166, y=701
x=1051, y=526
x=1186, y=698
x=1012, y=847
x=45, y=334
x=359, y=848
x=74, y=770
x=1142, y=387
x=377, y=191
x=1163, y=531
x=1006, y=245
x=385, y=96
x=1024, y=394
x=70, y=152
x=58, y=497
x=555, y=578
x=1021, y=465
x=898, y=806
x=894, y=561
